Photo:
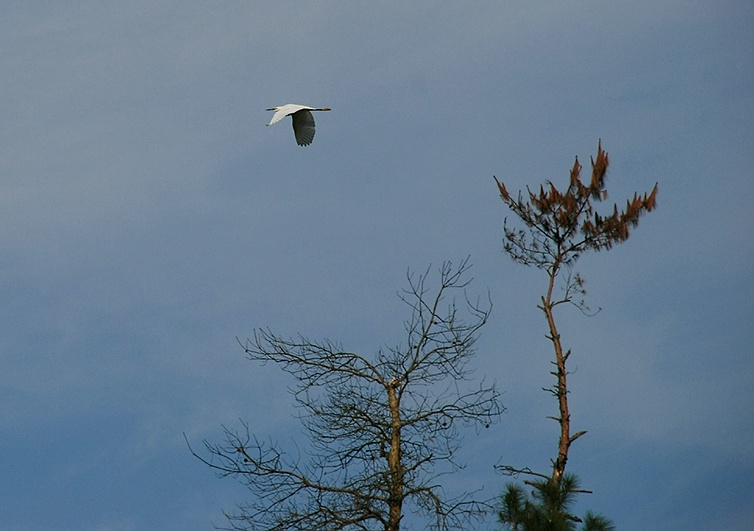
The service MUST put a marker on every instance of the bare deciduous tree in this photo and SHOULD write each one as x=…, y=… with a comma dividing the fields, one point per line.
x=382, y=430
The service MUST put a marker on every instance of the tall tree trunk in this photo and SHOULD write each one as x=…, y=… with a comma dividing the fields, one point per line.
x=560, y=390
x=394, y=460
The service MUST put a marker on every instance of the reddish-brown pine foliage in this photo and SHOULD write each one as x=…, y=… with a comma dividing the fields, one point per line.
x=563, y=224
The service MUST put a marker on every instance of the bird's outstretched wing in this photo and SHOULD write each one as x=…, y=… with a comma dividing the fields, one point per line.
x=279, y=115
x=303, y=126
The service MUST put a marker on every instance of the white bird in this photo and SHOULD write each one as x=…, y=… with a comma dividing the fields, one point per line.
x=303, y=121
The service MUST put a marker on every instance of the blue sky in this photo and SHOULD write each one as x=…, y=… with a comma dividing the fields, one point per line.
x=148, y=218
